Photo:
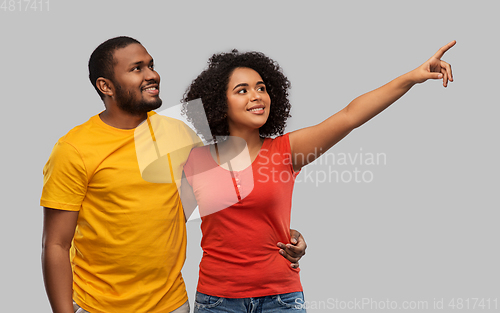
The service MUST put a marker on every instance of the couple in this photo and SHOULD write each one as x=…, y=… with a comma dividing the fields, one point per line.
x=129, y=243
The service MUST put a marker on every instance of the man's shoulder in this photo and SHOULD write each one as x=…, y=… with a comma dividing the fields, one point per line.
x=84, y=127
x=78, y=132
x=166, y=120
x=172, y=126
x=68, y=149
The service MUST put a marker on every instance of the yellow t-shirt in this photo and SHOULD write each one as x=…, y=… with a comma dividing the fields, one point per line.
x=130, y=241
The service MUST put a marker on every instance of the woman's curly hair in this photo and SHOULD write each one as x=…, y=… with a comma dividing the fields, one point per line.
x=211, y=87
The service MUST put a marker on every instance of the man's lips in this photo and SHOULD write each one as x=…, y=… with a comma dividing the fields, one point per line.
x=151, y=89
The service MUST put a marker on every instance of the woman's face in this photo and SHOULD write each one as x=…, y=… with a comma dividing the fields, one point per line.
x=248, y=102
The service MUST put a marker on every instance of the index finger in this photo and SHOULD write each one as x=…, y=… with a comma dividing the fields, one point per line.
x=443, y=49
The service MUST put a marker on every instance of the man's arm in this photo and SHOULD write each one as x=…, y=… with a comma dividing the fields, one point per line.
x=58, y=230
x=294, y=250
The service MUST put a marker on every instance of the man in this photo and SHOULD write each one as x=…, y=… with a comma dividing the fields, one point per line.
x=112, y=241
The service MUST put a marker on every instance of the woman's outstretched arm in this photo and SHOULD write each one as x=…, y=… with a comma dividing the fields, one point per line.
x=309, y=143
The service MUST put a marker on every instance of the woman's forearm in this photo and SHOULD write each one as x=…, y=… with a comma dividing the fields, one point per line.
x=368, y=105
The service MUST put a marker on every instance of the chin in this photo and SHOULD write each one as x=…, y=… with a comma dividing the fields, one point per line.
x=140, y=107
x=150, y=105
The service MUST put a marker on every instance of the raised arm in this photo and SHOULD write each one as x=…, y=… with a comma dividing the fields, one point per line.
x=309, y=143
x=58, y=230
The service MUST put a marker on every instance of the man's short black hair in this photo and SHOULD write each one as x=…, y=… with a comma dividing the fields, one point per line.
x=101, y=62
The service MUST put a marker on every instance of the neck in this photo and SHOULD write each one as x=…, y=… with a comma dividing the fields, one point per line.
x=231, y=149
x=122, y=120
x=252, y=138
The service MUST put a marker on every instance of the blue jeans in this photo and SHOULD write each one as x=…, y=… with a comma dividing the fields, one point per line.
x=288, y=302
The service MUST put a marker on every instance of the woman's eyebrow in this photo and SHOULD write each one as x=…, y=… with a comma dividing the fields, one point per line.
x=246, y=85
x=240, y=85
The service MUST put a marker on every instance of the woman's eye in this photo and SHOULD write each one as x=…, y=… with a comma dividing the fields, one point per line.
x=242, y=91
x=263, y=88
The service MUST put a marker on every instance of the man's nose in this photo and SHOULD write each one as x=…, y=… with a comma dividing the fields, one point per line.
x=152, y=75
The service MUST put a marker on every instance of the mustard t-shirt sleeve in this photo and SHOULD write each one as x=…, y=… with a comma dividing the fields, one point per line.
x=65, y=179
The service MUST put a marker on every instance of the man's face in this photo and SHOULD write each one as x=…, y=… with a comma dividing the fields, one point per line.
x=137, y=84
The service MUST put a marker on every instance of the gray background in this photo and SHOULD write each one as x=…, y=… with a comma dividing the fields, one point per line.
x=426, y=227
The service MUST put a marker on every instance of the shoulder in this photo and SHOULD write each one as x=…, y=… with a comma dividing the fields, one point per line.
x=280, y=143
x=79, y=133
x=199, y=152
x=173, y=126
x=70, y=141
x=197, y=159
x=76, y=147
x=69, y=146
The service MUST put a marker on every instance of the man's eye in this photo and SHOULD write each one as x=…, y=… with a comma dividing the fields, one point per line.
x=152, y=66
x=137, y=68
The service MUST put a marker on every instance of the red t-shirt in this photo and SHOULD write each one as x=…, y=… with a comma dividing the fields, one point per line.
x=244, y=215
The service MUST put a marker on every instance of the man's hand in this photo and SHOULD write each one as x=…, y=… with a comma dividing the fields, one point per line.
x=294, y=250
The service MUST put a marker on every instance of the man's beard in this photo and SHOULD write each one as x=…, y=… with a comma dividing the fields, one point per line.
x=127, y=103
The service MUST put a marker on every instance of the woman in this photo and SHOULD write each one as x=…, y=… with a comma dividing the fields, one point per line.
x=243, y=182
